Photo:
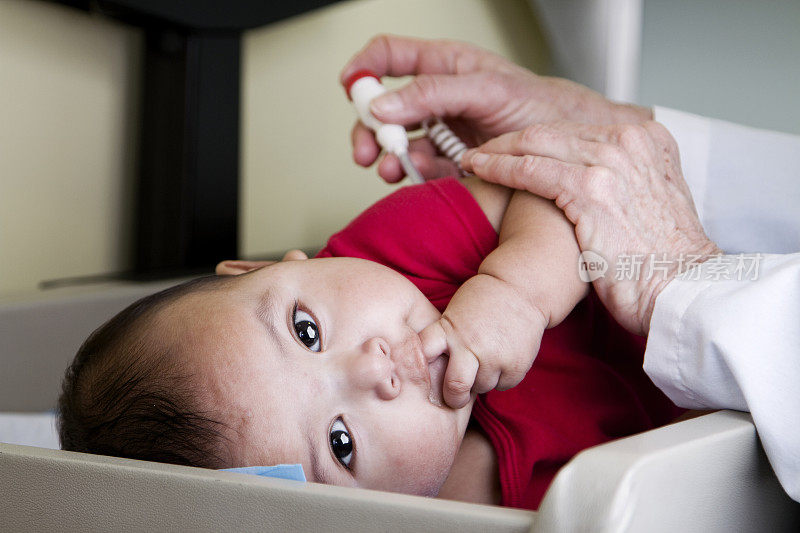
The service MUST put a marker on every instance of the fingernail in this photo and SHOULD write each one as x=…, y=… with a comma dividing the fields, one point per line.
x=478, y=160
x=386, y=104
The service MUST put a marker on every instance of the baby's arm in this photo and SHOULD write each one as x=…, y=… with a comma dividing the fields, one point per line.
x=493, y=325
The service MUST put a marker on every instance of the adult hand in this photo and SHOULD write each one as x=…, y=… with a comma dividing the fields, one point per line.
x=480, y=94
x=622, y=188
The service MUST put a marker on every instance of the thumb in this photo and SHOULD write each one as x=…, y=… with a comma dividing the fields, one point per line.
x=429, y=95
x=434, y=341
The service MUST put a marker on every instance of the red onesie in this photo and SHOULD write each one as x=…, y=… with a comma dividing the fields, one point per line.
x=586, y=385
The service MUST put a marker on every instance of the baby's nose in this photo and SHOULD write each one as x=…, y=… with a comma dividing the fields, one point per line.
x=372, y=370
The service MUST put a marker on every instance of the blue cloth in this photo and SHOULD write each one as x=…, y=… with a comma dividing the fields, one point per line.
x=293, y=472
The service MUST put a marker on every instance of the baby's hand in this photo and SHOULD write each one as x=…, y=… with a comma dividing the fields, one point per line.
x=492, y=335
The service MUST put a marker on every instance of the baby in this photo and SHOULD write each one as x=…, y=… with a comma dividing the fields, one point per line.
x=336, y=362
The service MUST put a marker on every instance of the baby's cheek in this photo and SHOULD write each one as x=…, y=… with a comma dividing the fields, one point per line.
x=417, y=466
x=423, y=477
x=436, y=458
x=422, y=315
x=436, y=471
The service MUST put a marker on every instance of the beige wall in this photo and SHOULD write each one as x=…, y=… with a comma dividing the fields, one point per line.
x=299, y=179
x=68, y=94
x=69, y=85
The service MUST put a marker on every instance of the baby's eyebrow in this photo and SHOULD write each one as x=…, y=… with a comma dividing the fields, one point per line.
x=267, y=313
x=316, y=470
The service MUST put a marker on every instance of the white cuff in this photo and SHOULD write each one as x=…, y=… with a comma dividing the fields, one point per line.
x=681, y=356
x=666, y=346
x=718, y=341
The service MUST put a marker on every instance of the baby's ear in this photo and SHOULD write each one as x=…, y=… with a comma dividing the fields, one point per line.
x=294, y=255
x=236, y=267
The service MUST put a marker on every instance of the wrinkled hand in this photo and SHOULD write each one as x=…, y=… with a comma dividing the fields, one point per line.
x=480, y=94
x=622, y=188
x=491, y=336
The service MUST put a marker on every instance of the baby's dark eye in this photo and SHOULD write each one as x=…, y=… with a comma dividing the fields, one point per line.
x=341, y=444
x=306, y=330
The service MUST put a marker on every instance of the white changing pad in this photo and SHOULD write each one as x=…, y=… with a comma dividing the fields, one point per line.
x=29, y=429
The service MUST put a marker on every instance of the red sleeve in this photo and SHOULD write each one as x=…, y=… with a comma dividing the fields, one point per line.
x=435, y=234
x=586, y=387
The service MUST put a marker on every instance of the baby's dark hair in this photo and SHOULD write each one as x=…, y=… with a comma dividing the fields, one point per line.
x=128, y=395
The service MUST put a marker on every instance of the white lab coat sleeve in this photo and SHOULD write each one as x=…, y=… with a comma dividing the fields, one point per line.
x=726, y=334
x=735, y=344
x=745, y=182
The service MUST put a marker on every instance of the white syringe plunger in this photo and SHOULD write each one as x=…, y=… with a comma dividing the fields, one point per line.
x=362, y=87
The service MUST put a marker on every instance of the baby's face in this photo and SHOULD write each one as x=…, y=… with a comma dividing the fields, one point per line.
x=318, y=362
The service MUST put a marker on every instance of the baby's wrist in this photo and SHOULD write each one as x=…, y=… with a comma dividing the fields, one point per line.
x=542, y=316
x=554, y=307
